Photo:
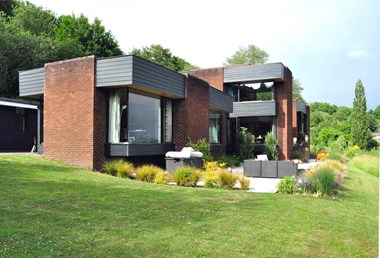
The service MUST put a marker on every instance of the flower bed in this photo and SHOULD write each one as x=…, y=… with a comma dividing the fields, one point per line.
x=325, y=179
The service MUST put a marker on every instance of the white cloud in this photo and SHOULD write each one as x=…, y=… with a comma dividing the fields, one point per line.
x=357, y=54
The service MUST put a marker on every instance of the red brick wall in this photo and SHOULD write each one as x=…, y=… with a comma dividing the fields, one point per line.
x=214, y=76
x=74, y=113
x=284, y=116
x=191, y=115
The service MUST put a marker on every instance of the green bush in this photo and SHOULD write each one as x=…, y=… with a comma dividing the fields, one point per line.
x=229, y=161
x=340, y=144
x=147, y=173
x=124, y=169
x=336, y=156
x=202, y=146
x=271, y=146
x=245, y=143
x=110, y=166
x=296, y=155
x=287, y=185
x=186, y=176
x=352, y=151
x=227, y=179
x=162, y=177
x=244, y=182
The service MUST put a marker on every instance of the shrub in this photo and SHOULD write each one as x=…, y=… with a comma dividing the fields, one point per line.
x=245, y=143
x=186, y=176
x=229, y=161
x=296, y=155
x=110, y=166
x=227, y=179
x=147, y=173
x=339, y=144
x=162, y=177
x=202, y=146
x=287, y=185
x=124, y=169
x=352, y=151
x=271, y=146
x=244, y=182
x=336, y=156
x=210, y=175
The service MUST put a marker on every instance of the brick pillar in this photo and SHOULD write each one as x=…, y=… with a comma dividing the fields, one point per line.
x=191, y=115
x=74, y=113
x=214, y=76
x=294, y=118
x=284, y=116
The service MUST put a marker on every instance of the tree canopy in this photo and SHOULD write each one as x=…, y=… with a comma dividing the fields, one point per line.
x=297, y=89
x=163, y=56
x=332, y=126
x=248, y=55
x=31, y=36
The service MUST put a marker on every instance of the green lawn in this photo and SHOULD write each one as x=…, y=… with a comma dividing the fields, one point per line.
x=52, y=209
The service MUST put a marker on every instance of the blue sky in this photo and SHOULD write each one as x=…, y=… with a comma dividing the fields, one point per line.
x=328, y=44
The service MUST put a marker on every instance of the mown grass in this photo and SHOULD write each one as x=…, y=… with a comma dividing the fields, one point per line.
x=52, y=209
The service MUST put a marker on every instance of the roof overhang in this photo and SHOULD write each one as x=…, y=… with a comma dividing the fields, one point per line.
x=254, y=73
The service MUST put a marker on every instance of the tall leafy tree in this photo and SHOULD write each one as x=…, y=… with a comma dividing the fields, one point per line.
x=297, y=89
x=248, y=55
x=359, y=120
x=163, y=56
x=31, y=36
x=376, y=112
x=93, y=37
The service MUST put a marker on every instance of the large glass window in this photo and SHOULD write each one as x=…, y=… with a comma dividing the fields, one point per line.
x=214, y=127
x=136, y=117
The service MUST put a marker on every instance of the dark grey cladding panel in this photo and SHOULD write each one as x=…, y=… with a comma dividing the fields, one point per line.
x=301, y=106
x=254, y=73
x=114, y=71
x=254, y=108
x=220, y=101
x=127, y=150
x=158, y=78
x=31, y=82
x=132, y=70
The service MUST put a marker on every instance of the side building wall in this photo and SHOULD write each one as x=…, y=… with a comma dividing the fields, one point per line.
x=191, y=115
x=72, y=113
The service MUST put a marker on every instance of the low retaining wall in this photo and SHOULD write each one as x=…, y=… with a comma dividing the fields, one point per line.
x=270, y=168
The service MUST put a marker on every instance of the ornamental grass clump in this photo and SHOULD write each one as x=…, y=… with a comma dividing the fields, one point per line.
x=244, y=182
x=124, y=169
x=326, y=178
x=186, y=176
x=110, y=166
x=147, y=173
x=227, y=179
x=162, y=177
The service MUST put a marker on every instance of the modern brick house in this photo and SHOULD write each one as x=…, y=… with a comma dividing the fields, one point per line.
x=125, y=106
